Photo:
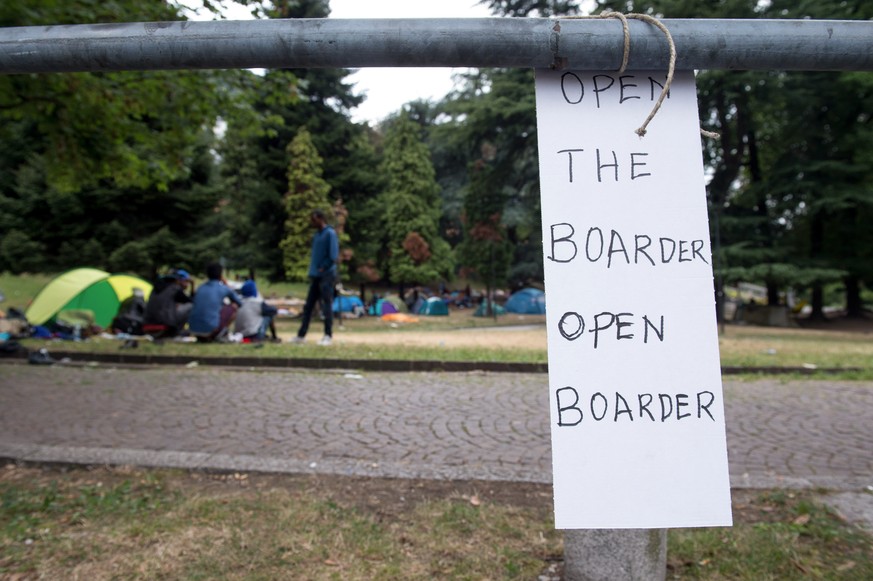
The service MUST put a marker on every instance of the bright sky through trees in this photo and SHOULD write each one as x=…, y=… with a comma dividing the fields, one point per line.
x=387, y=89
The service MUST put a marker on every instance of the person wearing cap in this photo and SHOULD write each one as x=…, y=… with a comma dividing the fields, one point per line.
x=211, y=314
x=168, y=305
x=255, y=316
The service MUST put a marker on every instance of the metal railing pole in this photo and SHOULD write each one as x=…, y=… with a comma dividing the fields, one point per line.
x=480, y=42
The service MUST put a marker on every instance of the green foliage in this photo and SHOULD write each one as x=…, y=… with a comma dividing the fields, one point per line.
x=411, y=206
x=532, y=8
x=485, y=251
x=789, y=190
x=307, y=191
x=19, y=253
x=278, y=104
x=493, y=118
x=93, y=164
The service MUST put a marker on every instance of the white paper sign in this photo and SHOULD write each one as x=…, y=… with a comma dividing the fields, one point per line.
x=638, y=432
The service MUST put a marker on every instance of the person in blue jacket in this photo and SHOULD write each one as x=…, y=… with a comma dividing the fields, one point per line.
x=322, y=277
x=212, y=314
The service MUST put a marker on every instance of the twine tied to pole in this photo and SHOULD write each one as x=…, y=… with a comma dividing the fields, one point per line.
x=641, y=131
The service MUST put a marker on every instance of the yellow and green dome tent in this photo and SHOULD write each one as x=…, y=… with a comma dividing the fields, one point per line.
x=85, y=288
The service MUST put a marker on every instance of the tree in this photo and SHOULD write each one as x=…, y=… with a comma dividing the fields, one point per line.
x=93, y=161
x=411, y=209
x=307, y=192
x=541, y=8
x=493, y=117
x=787, y=185
x=485, y=251
x=254, y=149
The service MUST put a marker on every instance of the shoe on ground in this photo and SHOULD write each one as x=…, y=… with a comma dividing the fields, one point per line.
x=40, y=357
x=325, y=341
x=298, y=339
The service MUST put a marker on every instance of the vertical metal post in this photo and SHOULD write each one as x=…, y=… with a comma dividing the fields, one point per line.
x=610, y=555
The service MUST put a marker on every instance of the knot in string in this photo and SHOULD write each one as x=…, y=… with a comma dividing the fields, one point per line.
x=671, y=67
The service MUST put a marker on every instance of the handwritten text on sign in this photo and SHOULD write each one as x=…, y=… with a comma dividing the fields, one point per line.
x=637, y=415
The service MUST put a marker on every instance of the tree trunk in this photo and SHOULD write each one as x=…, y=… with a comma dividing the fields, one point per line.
x=772, y=294
x=854, y=308
x=817, y=313
x=816, y=243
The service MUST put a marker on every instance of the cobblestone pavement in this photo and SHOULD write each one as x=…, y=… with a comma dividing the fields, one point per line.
x=425, y=425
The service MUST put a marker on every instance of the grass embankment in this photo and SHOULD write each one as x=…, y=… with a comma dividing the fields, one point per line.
x=132, y=524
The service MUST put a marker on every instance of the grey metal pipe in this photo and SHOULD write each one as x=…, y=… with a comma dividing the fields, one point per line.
x=476, y=42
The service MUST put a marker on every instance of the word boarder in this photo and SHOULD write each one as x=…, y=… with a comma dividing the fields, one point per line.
x=635, y=393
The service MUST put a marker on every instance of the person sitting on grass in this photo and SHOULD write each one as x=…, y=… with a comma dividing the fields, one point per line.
x=255, y=316
x=168, y=305
x=210, y=316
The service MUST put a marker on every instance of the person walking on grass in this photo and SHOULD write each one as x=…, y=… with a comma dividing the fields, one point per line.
x=322, y=277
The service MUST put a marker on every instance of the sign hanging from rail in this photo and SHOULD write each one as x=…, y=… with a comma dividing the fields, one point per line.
x=637, y=415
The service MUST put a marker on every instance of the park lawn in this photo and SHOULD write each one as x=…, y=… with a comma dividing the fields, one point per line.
x=126, y=523
x=510, y=338
x=460, y=336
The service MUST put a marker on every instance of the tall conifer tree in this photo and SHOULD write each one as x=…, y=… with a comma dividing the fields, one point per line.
x=307, y=191
x=412, y=209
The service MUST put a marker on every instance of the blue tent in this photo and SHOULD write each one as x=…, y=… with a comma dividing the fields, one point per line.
x=528, y=301
x=482, y=309
x=350, y=304
x=434, y=306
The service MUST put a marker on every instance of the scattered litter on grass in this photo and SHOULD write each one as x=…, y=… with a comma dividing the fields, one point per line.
x=192, y=364
x=810, y=366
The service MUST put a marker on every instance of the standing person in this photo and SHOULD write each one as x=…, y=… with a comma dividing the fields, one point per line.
x=322, y=275
x=210, y=317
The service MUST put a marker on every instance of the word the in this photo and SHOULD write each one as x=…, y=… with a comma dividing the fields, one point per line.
x=640, y=406
x=573, y=88
x=600, y=164
x=644, y=249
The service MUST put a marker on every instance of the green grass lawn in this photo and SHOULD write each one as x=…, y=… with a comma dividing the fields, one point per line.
x=128, y=523
x=740, y=346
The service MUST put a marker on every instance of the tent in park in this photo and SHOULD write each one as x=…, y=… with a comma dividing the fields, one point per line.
x=482, y=310
x=348, y=304
x=434, y=306
x=527, y=301
x=397, y=302
x=84, y=289
x=382, y=307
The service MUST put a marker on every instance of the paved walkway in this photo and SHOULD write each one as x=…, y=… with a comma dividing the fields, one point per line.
x=491, y=426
